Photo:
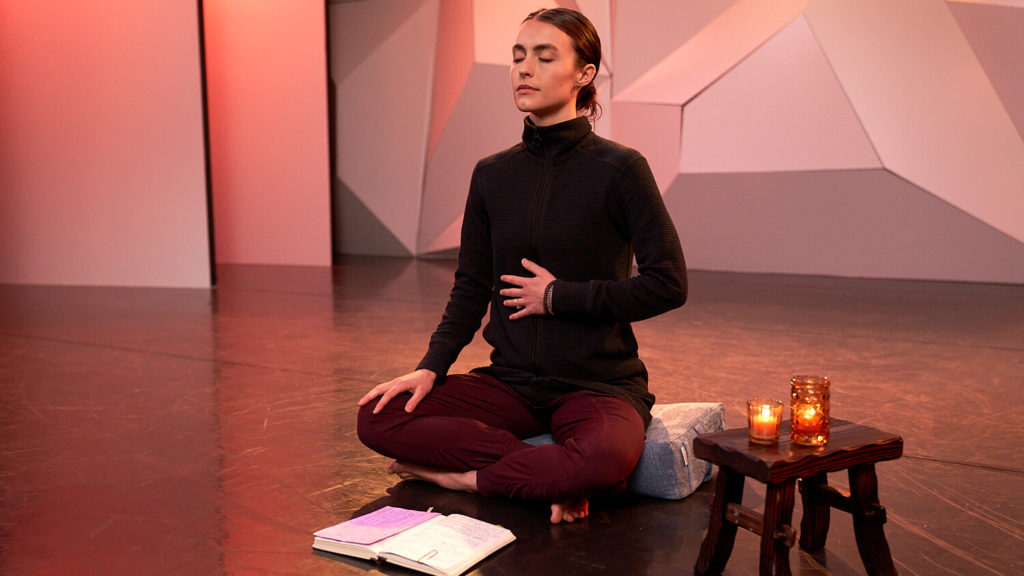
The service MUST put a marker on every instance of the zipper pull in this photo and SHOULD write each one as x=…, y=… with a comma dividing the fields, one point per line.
x=537, y=140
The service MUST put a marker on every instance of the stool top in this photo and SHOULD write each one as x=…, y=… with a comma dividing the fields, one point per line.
x=849, y=444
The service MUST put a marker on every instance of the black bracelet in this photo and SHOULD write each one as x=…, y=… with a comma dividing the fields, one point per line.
x=547, y=297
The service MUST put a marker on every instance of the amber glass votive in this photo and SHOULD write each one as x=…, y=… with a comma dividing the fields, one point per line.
x=764, y=417
x=808, y=401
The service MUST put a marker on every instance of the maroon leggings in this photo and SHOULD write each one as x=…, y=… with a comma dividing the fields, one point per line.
x=475, y=422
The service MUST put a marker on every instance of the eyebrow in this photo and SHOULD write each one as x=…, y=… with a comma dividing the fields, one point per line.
x=537, y=48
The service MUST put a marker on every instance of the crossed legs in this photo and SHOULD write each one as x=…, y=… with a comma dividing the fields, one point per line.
x=466, y=435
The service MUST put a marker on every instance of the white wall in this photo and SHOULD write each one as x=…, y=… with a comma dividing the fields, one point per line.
x=102, y=177
x=269, y=148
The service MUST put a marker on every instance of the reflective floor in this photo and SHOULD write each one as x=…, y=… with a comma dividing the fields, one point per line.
x=164, y=431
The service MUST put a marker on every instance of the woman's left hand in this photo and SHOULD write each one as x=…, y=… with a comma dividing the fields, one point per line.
x=528, y=298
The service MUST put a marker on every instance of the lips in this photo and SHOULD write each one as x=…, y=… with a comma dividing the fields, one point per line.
x=525, y=88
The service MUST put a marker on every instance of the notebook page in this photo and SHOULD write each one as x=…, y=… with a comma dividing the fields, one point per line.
x=376, y=525
x=449, y=541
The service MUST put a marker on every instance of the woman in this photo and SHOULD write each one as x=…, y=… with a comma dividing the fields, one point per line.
x=550, y=229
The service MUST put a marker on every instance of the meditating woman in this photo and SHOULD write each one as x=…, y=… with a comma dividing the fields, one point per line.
x=550, y=229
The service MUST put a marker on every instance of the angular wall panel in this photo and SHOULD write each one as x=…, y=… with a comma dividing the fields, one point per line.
x=722, y=44
x=655, y=131
x=383, y=111
x=926, y=103
x=452, y=63
x=358, y=29
x=996, y=33
x=1007, y=3
x=848, y=223
x=484, y=121
x=780, y=109
x=599, y=13
x=496, y=25
x=363, y=232
x=447, y=241
x=646, y=34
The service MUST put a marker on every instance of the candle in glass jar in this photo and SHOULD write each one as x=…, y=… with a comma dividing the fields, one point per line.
x=763, y=420
x=809, y=402
x=807, y=420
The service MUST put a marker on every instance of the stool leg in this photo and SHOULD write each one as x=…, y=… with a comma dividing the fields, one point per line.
x=817, y=511
x=778, y=513
x=868, y=520
x=717, y=545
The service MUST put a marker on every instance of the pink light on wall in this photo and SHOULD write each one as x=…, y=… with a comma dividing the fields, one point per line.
x=102, y=177
x=267, y=97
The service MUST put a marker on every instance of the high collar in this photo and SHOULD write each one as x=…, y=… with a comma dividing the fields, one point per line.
x=553, y=140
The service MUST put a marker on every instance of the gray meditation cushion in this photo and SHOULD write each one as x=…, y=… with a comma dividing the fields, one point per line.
x=667, y=467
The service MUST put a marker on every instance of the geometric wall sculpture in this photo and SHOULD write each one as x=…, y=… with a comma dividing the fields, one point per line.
x=796, y=118
x=927, y=104
x=870, y=138
x=382, y=58
x=994, y=32
x=860, y=223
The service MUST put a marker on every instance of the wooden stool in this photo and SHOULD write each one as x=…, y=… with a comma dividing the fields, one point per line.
x=851, y=447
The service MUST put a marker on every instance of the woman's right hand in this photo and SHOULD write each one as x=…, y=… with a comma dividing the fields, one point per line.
x=418, y=383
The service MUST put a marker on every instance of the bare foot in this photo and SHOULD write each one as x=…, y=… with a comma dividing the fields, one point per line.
x=464, y=481
x=570, y=510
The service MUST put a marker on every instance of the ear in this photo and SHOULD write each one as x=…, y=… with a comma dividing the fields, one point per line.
x=585, y=75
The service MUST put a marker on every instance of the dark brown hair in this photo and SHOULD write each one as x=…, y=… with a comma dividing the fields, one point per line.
x=588, y=50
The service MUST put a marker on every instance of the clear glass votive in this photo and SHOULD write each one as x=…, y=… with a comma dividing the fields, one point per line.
x=764, y=416
x=808, y=401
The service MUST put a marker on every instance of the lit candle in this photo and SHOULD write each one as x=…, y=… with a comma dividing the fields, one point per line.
x=809, y=401
x=808, y=420
x=763, y=423
x=763, y=419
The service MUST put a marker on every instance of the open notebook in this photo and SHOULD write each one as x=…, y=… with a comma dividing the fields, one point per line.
x=424, y=541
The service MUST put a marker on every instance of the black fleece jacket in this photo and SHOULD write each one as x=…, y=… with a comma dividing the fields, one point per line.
x=581, y=206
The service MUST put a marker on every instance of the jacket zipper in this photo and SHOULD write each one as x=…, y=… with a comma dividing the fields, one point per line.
x=536, y=216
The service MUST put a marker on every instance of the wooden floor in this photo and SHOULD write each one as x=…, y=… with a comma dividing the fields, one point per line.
x=163, y=431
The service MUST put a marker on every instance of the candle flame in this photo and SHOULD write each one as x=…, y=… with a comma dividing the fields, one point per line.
x=766, y=411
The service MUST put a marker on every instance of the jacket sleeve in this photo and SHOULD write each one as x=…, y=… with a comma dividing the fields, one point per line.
x=471, y=291
x=661, y=284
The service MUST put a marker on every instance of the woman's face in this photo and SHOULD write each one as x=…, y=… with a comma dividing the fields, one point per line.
x=545, y=77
